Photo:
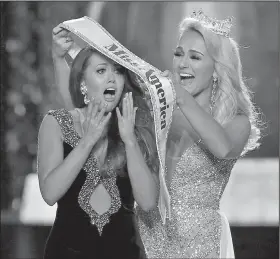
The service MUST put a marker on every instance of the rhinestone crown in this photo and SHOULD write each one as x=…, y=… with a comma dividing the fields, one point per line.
x=221, y=27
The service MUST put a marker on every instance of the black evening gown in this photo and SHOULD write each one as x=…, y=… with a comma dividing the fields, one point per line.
x=78, y=232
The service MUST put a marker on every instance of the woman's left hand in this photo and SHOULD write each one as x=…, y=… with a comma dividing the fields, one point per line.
x=126, y=121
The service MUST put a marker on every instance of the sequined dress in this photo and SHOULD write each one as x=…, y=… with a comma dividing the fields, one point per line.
x=196, y=229
x=78, y=231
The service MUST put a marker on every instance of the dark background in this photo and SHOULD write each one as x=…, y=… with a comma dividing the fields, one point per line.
x=149, y=29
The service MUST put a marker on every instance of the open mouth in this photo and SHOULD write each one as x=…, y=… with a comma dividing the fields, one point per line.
x=186, y=76
x=109, y=94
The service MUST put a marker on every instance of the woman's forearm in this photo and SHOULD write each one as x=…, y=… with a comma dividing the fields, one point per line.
x=144, y=184
x=62, y=74
x=58, y=181
x=211, y=132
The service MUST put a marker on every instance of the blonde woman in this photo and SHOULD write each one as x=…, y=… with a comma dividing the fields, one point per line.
x=215, y=123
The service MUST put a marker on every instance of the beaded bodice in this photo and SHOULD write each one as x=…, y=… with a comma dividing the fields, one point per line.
x=196, y=187
x=93, y=177
x=199, y=179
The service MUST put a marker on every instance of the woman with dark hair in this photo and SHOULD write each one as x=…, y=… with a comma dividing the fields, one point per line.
x=94, y=161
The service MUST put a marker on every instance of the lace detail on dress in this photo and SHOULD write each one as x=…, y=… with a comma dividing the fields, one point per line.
x=93, y=178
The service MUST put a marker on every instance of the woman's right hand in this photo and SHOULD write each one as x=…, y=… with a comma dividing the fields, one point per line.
x=95, y=122
x=180, y=91
x=61, y=42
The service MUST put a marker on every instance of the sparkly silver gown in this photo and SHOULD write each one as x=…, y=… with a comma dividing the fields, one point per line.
x=196, y=229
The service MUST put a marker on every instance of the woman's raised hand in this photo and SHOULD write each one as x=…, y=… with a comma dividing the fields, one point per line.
x=126, y=121
x=180, y=91
x=95, y=122
x=166, y=73
x=61, y=42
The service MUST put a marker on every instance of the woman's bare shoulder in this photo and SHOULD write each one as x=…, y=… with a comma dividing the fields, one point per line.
x=51, y=123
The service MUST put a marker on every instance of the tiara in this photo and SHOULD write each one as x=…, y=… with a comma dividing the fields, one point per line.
x=221, y=27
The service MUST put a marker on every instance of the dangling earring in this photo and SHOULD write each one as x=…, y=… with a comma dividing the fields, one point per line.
x=213, y=94
x=84, y=93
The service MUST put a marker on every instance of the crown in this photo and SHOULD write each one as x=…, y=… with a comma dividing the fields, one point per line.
x=221, y=27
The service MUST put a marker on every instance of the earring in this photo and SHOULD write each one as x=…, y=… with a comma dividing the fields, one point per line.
x=84, y=93
x=213, y=94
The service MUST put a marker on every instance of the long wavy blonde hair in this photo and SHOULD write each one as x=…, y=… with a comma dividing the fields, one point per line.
x=232, y=96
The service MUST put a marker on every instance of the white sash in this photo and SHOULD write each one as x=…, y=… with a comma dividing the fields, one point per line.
x=160, y=88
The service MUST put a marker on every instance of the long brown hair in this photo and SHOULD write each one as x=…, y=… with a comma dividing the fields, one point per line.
x=116, y=157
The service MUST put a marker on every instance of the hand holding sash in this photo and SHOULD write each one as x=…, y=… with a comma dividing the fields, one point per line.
x=179, y=90
x=61, y=42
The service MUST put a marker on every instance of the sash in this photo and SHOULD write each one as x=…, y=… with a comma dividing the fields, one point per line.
x=85, y=31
